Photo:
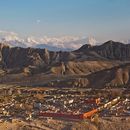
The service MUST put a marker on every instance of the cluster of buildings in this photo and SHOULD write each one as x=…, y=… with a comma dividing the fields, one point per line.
x=26, y=103
x=122, y=108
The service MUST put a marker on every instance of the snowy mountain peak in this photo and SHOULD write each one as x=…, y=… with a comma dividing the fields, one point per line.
x=51, y=43
x=92, y=41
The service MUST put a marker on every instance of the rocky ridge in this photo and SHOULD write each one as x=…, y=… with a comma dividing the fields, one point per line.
x=111, y=57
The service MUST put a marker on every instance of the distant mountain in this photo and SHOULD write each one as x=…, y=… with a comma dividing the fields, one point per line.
x=65, y=43
x=110, y=50
x=51, y=48
x=23, y=57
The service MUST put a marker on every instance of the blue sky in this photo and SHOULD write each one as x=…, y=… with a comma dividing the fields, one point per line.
x=103, y=19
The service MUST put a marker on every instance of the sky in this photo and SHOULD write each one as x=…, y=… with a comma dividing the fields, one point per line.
x=103, y=19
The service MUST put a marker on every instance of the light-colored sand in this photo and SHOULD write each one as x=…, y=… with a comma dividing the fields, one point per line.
x=111, y=123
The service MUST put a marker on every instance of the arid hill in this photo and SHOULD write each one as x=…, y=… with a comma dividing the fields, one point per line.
x=90, y=66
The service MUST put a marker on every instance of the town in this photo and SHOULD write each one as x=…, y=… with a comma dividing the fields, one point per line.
x=29, y=103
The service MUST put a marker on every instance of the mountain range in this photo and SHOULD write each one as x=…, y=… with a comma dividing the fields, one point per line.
x=64, y=43
x=99, y=66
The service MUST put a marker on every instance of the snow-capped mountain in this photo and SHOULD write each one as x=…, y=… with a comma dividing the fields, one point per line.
x=52, y=43
x=92, y=41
